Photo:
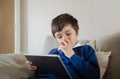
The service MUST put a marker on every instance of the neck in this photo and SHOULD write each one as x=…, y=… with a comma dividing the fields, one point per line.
x=75, y=43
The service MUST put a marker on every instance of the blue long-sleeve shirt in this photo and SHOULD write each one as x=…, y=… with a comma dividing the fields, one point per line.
x=82, y=65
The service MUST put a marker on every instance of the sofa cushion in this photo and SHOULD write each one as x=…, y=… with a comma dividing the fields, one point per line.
x=103, y=59
x=111, y=43
x=92, y=43
x=13, y=66
x=50, y=43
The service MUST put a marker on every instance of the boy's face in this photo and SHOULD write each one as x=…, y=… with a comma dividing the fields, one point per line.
x=67, y=34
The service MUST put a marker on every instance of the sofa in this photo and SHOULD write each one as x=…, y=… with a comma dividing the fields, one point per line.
x=107, y=49
x=111, y=43
x=13, y=66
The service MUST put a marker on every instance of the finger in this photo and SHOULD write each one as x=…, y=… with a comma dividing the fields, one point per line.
x=33, y=68
x=28, y=62
x=67, y=41
x=59, y=47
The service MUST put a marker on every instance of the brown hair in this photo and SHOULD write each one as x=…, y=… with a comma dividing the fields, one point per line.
x=60, y=21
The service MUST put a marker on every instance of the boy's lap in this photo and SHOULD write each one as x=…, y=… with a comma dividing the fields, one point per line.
x=41, y=78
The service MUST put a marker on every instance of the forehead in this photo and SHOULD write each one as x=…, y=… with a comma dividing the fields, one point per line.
x=66, y=29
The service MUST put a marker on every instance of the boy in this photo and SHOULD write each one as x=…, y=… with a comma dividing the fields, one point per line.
x=80, y=61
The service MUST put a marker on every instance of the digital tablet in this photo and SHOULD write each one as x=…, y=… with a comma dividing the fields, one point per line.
x=49, y=64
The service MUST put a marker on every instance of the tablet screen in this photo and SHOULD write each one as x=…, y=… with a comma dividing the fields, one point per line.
x=49, y=64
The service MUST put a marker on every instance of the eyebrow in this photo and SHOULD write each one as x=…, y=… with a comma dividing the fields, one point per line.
x=67, y=31
x=57, y=34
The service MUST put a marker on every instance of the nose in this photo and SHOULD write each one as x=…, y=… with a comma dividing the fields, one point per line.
x=64, y=37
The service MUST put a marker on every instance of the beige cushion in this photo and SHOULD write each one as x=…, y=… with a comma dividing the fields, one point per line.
x=103, y=59
x=13, y=66
x=92, y=43
x=111, y=43
x=50, y=43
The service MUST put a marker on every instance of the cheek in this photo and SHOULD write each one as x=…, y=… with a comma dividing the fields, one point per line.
x=73, y=40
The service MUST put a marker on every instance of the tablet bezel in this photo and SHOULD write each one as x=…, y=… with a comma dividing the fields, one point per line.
x=49, y=64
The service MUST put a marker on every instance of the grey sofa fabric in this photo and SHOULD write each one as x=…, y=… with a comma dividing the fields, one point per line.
x=111, y=43
x=13, y=66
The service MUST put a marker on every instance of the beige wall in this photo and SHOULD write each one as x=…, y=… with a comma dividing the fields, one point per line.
x=6, y=26
x=97, y=18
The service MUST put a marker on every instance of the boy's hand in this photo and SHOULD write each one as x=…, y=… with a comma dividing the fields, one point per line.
x=66, y=47
x=30, y=66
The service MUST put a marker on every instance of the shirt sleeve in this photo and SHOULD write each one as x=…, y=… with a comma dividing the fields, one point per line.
x=53, y=51
x=86, y=65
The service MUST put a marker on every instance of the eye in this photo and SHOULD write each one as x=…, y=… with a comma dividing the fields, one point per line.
x=68, y=34
x=59, y=37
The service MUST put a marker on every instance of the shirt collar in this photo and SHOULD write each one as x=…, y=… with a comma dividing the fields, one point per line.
x=77, y=44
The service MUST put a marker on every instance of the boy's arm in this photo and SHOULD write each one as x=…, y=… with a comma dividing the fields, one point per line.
x=87, y=64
